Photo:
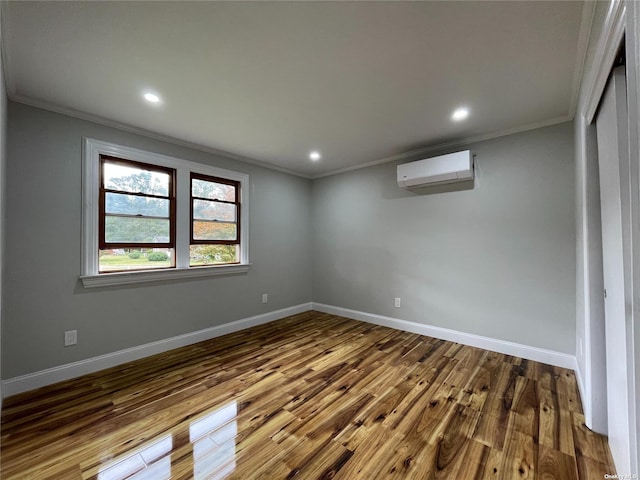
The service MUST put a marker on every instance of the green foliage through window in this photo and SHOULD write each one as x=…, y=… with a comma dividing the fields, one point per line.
x=213, y=254
x=157, y=257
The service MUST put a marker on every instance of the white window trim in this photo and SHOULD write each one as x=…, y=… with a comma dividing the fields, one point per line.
x=92, y=149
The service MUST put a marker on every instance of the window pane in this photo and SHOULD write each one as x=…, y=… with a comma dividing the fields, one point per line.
x=213, y=254
x=206, y=210
x=136, y=230
x=134, y=205
x=214, y=231
x=135, y=259
x=213, y=190
x=137, y=180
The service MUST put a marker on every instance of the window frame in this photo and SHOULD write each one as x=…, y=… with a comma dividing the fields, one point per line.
x=102, y=242
x=208, y=178
x=91, y=183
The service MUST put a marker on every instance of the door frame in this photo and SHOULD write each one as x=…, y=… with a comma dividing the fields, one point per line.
x=622, y=23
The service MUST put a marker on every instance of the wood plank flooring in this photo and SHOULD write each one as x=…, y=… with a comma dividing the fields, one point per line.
x=313, y=396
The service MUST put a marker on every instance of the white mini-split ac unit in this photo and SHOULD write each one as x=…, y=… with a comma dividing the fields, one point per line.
x=454, y=167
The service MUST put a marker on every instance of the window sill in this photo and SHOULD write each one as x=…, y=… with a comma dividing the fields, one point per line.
x=147, y=276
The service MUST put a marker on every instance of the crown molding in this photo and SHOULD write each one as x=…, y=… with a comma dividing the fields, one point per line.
x=70, y=112
x=413, y=154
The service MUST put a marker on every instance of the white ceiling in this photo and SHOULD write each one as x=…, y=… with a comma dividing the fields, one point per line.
x=270, y=81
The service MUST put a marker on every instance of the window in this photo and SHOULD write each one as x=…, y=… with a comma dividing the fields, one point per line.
x=149, y=217
x=215, y=213
x=137, y=210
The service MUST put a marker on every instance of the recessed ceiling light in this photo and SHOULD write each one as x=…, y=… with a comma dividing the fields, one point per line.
x=460, y=114
x=151, y=97
x=315, y=156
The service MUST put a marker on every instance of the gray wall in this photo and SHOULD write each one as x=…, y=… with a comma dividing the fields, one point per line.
x=42, y=294
x=497, y=260
x=3, y=131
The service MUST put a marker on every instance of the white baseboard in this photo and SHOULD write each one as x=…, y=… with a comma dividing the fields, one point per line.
x=49, y=376
x=550, y=357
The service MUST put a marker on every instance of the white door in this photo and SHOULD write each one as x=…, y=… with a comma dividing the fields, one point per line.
x=612, y=150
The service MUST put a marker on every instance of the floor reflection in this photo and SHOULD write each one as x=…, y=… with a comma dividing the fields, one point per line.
x=142, y=463
x=214, y=450
x=214, y=446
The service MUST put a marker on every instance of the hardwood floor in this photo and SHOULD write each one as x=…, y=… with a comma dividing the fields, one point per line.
x=310, y=396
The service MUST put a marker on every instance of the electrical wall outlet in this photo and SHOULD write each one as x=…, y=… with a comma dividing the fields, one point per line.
x=265, y=297
x=70, y=338
x=397, y=302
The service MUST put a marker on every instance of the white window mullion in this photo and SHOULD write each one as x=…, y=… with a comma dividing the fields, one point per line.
x=183, y=217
